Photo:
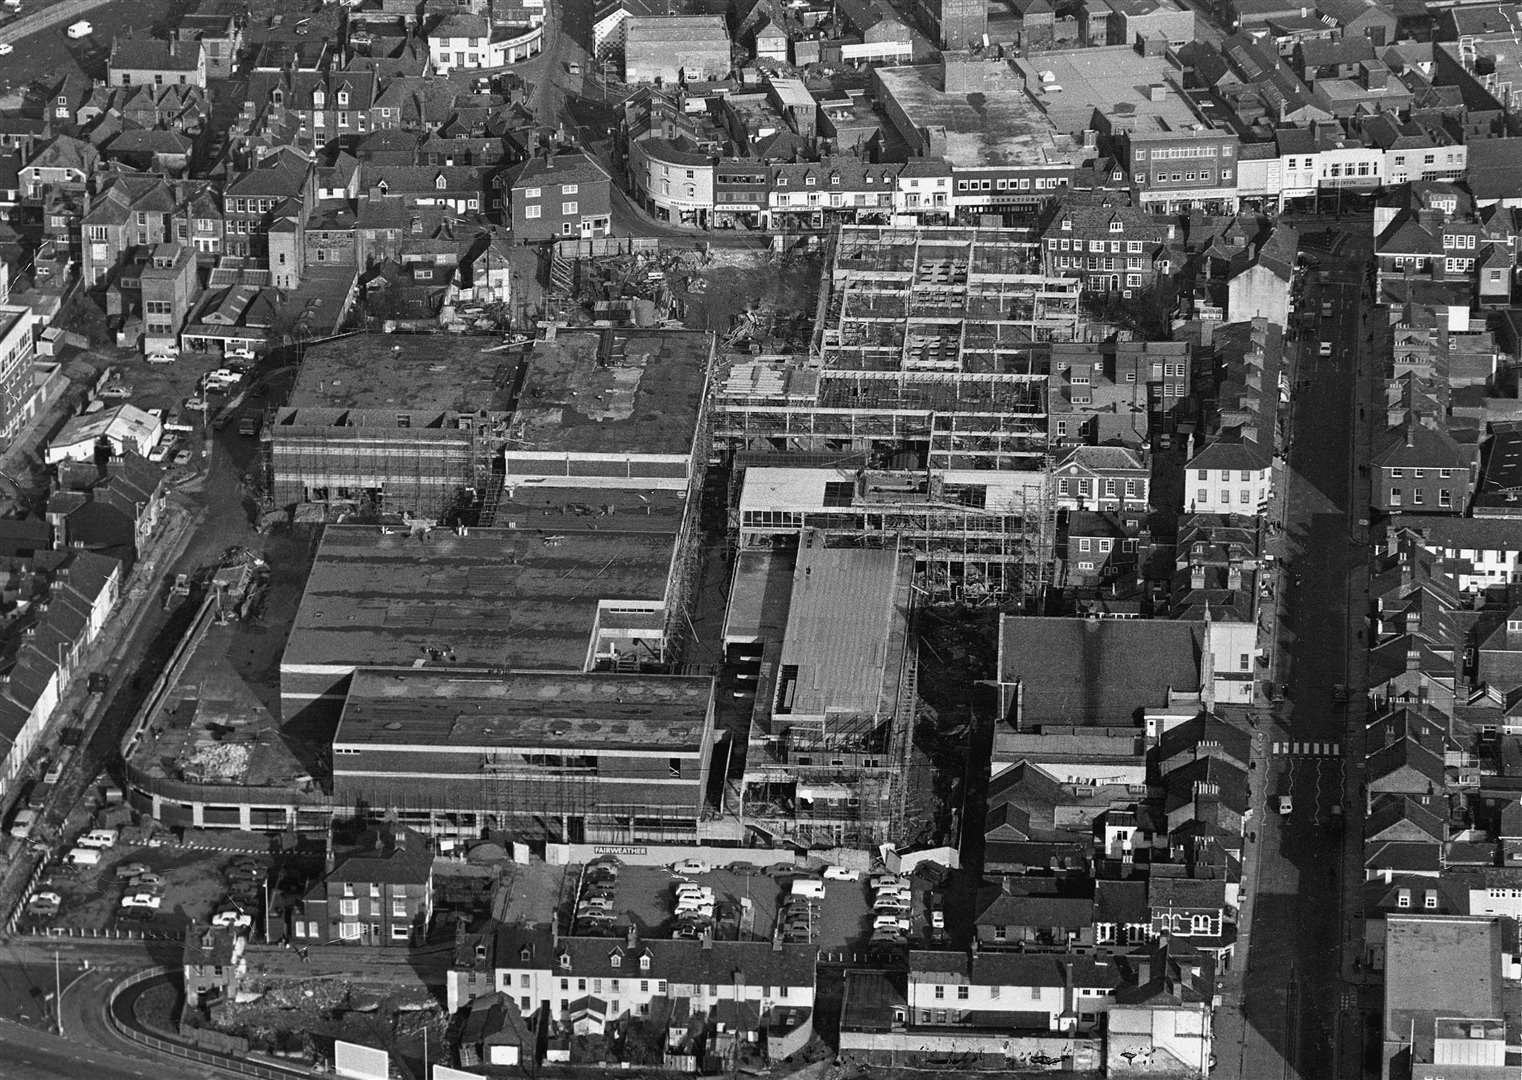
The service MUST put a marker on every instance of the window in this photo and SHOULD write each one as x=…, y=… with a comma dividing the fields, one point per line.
x=400, y=933
x=1431, y=900
x=572, y=189
x=1445, y=498
x=568, y=208
x=348, y=907
x=940, y=991
x=531, y=211
x=616, y=960
x=398, y=908
x=1395, y=496
x=531, y=193
x=1403, y=898
x=962, y=993
x=349, y=931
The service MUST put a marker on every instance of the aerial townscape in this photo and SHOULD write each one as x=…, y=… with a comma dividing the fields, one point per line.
x=819, y=539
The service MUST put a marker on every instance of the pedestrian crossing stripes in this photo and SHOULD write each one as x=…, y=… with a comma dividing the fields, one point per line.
x=1308, y=749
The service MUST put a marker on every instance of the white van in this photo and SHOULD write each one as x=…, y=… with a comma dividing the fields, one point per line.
x=99, y=838
x=81, y=856
x=813, y=888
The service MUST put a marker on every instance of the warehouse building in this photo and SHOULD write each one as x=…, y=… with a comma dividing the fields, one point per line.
x=570, y=757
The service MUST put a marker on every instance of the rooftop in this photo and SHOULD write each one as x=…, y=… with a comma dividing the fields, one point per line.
x=1097, y=671
x=846, y=627
x=437, y=709
x=1439, y=965
x=519, y=598
x=1116, y=80
x=1005, y=128
x=417, y=374
x=613, y=390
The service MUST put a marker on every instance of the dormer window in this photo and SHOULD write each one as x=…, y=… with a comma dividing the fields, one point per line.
x=808, y=181
x=319, y=99
x=1117, y=226
x=644, y=962
x=782, y=181
x=1067, y=224
x=440, y=183
x=565, y=961
x=835, y=179
x=277, y=97
x=343, y=99
x=616, y=960
x=525, y=954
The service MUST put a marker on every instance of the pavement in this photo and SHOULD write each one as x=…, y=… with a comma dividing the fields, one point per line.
x=1281, y=1012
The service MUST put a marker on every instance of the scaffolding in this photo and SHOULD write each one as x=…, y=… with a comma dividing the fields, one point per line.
x=385, y=462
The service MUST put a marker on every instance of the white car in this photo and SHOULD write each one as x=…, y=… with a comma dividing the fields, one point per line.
x=143, y=900
x=161, y=358
x=242, y=352
x=689, y=866
x=840, y=873
x=889, y=922
x=161, y=451
x=882, y=881
x=6, y=48
x=1324, y=349
x=100, y=838
x=232, y=918
x=937, y=919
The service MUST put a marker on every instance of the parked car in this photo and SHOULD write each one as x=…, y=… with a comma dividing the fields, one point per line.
x=176, y=421
x=44, y=903
x=841, y=873
x=131, y=870
x=232, y=918
x=6, y=48
x=182, y=457
x=248, y=427
x=162, y=450
x=117, y=391
x=142, y=900
x=1324, y=349
x=147, y=881
x=100, y=838
x=23, y=823
x=883, y=881
x=161, y=358
x=689, y=866
x=240, y=352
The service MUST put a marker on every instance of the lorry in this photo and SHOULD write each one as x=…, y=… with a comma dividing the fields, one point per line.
x=1286, y=806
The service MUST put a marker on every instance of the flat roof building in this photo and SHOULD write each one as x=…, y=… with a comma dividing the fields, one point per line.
x=611, y=408
x=570, y=756
x=556, y=594
x=834, y=705
x=1445, y=1009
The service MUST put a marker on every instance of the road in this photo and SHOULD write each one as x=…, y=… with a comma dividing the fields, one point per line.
x=1292, y=986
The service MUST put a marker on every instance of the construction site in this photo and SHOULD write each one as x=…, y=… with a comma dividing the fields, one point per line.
x=828, y=633
x=394, y=424
x=926, y=383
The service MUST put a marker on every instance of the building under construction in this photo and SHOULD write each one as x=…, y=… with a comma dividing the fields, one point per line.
x=828, y=631
x=394, y=424
x=927, y=380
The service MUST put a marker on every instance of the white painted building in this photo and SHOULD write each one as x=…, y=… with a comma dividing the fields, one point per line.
x=1229, y=478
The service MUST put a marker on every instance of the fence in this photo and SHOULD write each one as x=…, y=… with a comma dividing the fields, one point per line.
x=180, y=1050
x=17, y=29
